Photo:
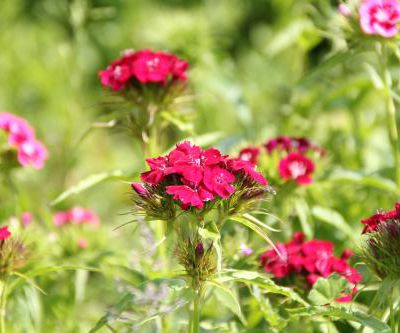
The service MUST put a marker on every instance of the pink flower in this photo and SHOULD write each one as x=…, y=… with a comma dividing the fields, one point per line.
x=380, y=17
x=61, y=218
x=26, y=218
x=157, y=170
x=83, y=243
x=4, y=233
x=76, y=215
x=236, y=165
x=32, y=153
x=297, y=167
x=143, y=67
x=344, y=10
x=245, y=250
x=189, y=196
x=218, y=181
x=372, y=223
x=250, y=154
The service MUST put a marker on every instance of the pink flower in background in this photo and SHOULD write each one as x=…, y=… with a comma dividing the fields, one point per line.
x=372, y=223
x=143, y=67
x=83, y=243
x=380, y=17
x=4, y=233
x=76, y=215
x=311, y=260
x=296, y=167
x=26, y=218
x=344, y=10
x=245, y=250
x=32, y=153
x=250, y=154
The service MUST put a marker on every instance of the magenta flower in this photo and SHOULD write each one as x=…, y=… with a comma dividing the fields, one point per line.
x=26, y=218
x=296, y=167
x=76, y=215
x=373, y=222
x=143, y=67
x=380, y=17
x=250, y=154
x=32, y=153
x=310, y=260
x=193, y=175
x=4, y=233
x=140, y=189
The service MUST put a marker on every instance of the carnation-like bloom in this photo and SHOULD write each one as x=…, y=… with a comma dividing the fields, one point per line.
x=292, y=144
x=373, y=222
x=250, y=154
x=21, y=136
x=143, y=67
x=380, y=17
x=194, y=176
x=310, y=260
x=297, y=167
x=76, y=215
x=4, y=233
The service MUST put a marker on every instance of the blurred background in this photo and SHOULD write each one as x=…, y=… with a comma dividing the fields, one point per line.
x=257, y=69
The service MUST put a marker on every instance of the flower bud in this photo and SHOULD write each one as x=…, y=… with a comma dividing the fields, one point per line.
x=199, y=249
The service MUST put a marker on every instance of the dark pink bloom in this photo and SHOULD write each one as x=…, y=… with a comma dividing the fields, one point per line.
x=4, y=233
x=236, y=165
x=296, y=167
x=32, y=153
x=61, y=218
x=143, y=67
x=372, y=223
x=157, y=170
x=380, y=17
x=189, y=196
x=250, y=154
x=218, y=181
x=26, y=218
x=18, y=129
x=279, y=143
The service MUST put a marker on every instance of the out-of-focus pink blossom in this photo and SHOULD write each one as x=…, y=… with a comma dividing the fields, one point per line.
x=297, y=167
x=250, y=154
x=344, y=10
x=245, y=250
x=76, y=215
x=32, y=153
x=26, y=218
x=4, y=233
x=380, y=17
x=83, y=243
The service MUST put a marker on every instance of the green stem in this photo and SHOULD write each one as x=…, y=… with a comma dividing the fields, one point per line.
x=391, y=112
x=3, y=304
x=196, y=313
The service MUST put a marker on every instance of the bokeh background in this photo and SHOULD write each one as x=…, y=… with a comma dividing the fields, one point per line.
x=257, y=69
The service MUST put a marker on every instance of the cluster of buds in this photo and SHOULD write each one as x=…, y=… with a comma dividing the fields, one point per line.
x=13, y=253
x=373, y=17
x=196, y=180
x=197, y=259
x=23, y=145
x=381, y=243
x=294, y=164
x=151, y=81
x=301, y=260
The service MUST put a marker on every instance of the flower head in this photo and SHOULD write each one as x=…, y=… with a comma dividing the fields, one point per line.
x=4, y=233
x=250, y=154
x=296, y=167
x=26, y=218
x=292, y=144
x=380, y=17
x=309, y=260
x=193, y=176
x=143, y=67
x=76, y=215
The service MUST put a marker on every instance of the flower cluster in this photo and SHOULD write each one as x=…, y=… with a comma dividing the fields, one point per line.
x=294, y=163
x=373, y=222
x=76, y=215
x=21, y=136
x=310, y=259
x=143, y=67
x=380, y=17
x=4, y=233
x=193, y=176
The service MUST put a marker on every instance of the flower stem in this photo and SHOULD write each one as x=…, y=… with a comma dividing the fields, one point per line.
x=391, y=112
x=196, y=313
x=3, y=304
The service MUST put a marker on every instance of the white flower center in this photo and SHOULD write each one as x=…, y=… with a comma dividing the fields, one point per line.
x=297, y=169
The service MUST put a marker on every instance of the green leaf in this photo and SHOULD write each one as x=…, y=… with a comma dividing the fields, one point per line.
x=303, y=212
x=228, y=299
x=29, y=281
x=334, y=219
x=341, y=312
x=375, y=78
x=87, y=183
x=216, y=239
x=114, y=313
x=326, y=291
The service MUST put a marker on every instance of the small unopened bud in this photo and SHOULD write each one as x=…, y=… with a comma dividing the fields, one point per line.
x=140, y=189
x=199, y=249
x=344, y=10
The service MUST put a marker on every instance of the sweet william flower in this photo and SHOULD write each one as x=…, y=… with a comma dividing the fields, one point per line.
x=32, y=153
x=218, y=181
x=296, y=167
x=4, y=233
x=250, y=154
x=26, y=218
x=380, y=17
x=140, y=189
